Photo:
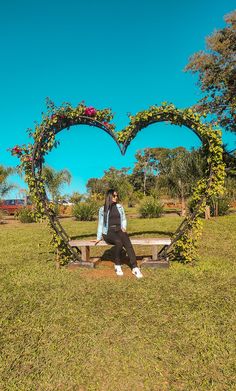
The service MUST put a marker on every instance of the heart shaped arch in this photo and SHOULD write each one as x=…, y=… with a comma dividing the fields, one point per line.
x=183, y=243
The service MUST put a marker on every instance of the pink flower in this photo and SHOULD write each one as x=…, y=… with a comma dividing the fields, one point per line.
x=90, y=111
x=106, y=124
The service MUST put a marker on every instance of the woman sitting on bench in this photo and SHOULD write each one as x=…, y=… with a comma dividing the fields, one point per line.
x=112, y=228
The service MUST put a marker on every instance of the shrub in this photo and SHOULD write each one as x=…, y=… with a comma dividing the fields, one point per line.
x=76, y=197
x=217, y=204
x=151, y=207
x=2, y=217
x=222, y=204
x=55, y=207
x=25, y=215
x=85, y=211
x=133, y=199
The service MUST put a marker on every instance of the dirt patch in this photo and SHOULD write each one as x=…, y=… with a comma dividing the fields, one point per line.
x=103, y=269
x=10, y=220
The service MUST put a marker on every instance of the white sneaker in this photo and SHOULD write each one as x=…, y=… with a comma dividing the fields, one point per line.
x=118, y=270
x=137, y=272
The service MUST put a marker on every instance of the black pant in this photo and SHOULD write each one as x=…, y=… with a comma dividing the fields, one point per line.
x=121, y=239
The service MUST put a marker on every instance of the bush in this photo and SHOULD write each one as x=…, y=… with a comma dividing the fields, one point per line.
x=222, y=204
x=2, y=217
x=85, y=211
x=133, y=199
x=25, y=215
x=151, y=207
x=55, y=207
x=76, y=197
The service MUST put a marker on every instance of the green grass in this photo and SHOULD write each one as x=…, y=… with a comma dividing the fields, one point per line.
x=173, y=330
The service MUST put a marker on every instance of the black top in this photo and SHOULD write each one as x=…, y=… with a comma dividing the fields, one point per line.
x=114, y=216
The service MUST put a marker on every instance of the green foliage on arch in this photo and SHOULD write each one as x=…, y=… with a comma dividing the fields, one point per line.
x=187, y=235
x=183, y=245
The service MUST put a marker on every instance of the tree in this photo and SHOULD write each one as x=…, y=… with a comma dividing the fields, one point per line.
x=143, y=175
x=5, y=187
x=230, y=185
x=229, y=158
x=216, y=69
x=230, y=182
x=96, y=186
x=76, y=197
x=178, y=171
x=118, y=179
x=54, y=180
x=112, y=178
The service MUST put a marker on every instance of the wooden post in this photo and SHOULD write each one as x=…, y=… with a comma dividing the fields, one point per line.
x=85, y=250
x=57, y=260
x=207, y=212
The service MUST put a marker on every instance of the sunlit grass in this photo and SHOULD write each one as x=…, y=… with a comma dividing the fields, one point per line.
x=173, y=330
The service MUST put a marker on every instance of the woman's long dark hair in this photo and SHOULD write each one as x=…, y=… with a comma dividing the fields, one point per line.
x=108, y=202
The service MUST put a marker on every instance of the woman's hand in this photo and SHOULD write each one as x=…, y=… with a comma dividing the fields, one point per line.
x=123, y=229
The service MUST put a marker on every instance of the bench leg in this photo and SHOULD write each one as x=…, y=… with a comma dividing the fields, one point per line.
x=154, y=253
x=85, y=253
x=155, y=262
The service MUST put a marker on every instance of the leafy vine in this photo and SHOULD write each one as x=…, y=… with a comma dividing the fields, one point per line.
x=183, y=244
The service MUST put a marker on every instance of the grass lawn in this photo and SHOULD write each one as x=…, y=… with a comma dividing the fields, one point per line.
x=66, y=330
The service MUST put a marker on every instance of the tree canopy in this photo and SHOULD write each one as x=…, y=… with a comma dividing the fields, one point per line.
x=174, y=171
x=5, y=187
x=216, y=68
x=54, y=180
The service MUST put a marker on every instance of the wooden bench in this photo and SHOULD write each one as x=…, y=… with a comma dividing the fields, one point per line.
x=84, y=246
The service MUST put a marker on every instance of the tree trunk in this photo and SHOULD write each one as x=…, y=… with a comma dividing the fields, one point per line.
x=144, y=182
x=183, y=203
x=183, y=206
x=145, y=173
x=207, y=212
x=216, y=208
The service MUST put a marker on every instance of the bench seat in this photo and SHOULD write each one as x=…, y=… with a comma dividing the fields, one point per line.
x=85, y=245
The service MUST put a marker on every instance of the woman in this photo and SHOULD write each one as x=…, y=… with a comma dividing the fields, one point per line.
x=112, y=228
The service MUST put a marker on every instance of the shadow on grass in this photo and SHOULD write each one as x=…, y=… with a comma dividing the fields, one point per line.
x=109, y=255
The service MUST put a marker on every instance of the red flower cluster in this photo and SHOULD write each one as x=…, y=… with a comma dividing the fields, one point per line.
x=90, y=111
x=16, y=150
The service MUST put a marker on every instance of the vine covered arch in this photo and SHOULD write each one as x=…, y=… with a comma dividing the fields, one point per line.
x=183, y=242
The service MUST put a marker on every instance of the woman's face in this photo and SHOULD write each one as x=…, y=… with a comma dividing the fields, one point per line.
x=114, y=196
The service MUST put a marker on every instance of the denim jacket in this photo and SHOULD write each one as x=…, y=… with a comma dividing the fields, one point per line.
x=102, y=228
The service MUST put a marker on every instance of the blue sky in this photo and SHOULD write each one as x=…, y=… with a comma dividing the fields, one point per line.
x=126, y=55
